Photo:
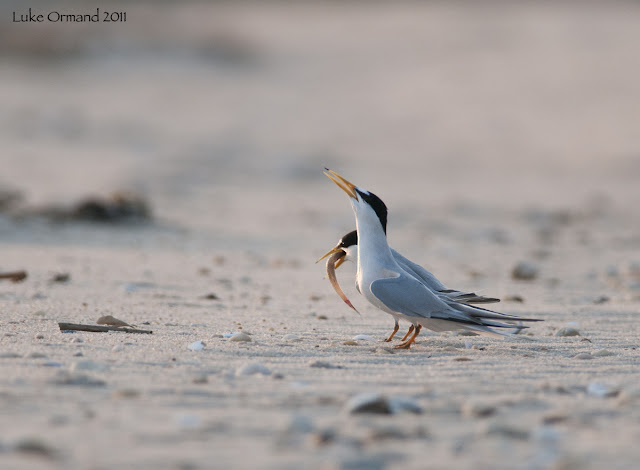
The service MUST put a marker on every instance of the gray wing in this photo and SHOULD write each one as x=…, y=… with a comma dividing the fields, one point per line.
x=408, y=296
x=435, y=285
x=418, y=272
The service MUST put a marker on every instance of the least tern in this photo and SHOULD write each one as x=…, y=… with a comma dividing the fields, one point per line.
x=382, y=281
x=347, y=250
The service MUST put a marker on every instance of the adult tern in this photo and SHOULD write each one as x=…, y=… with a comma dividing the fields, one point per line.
x=382, y=281
x=347, y=250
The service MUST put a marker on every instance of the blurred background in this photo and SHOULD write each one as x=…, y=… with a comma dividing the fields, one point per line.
x=222, y=115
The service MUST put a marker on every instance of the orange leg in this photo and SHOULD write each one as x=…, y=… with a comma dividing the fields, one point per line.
x=395, y=330
x=407, y=344
x=411, y=328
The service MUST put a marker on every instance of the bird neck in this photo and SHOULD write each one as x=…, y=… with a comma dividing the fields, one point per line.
x=372, y=241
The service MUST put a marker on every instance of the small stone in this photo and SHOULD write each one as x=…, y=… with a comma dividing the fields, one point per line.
x=462, y=359
x=601, y=300
x=583, y=356
x=78, y=354
x=200, y=379
x=117, y=348
x=368, y=403
x=51, y=364
x=34, y=446
x=514, y=298
x=39, y=336
x=253, y=368
x=478, y=409
x=240, y=337
x=111, y=321
x=77, y=340
x=127, y=393
x=82, y=380
x=61, y=278
x=322, y=317
x=324, y=365
x=350, y=343
x=37, y=355
x=400, y=404
x=363, y=338
x=525, y=271
x=9, y=355
x=567, y=331
x=508, y=431
x=89, y=365
x=603, y=353
x=291, y=338
x=196, y=346
x=602, y=390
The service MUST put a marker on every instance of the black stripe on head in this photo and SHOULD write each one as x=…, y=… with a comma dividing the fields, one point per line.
x=350, y=239
x=378, y=206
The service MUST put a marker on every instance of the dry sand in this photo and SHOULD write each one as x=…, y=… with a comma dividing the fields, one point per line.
x=494, y=133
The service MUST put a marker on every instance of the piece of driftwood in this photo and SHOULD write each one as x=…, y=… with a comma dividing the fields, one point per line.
x=14, y=276
x=99, y=329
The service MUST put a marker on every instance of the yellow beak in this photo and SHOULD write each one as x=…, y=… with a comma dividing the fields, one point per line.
x=345, y=185
x=330, y=252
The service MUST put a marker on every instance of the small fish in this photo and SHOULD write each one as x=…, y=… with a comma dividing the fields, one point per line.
x=331, y=274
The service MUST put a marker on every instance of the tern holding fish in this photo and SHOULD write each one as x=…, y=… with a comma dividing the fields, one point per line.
x=347, y=250
x=386, y=285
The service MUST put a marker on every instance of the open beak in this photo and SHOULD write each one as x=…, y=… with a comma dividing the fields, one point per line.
x=331, y=252
x=345, y=185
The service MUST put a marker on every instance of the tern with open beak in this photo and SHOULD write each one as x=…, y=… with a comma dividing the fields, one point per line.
x=382, y=281
x=347, y=250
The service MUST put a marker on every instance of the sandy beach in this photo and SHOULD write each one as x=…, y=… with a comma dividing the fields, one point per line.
x=496, y=134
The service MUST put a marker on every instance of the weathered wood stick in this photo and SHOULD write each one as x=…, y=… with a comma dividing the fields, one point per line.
x=99, y=329
x=14, y=276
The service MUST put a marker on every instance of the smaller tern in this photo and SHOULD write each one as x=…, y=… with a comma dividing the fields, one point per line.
x=347, y=250
x=386, y=285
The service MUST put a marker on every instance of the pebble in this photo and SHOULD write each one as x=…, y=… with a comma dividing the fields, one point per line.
x=77, y=340
x=350, y=343
x=240, y=337
x=51, y=364
x=34, y=446
x=9, y=355
x=478, y=409
x=567, y=331
x=196, y=346
x=39, y=336
x=37, y=355
x=89, y=365
x=525, y=271
x=253, y=368
x=583, y=356
x=363, y=338
x=603, y=353
x=200, y=379
x=373, y=402
x=514, y=298
x=322, y=317
x=602, y=390
x=117, y=348
x=401, y=404
x=126, y=393
x=291, y=338
x=324, y=365
x=506, y=430
x=81, y=380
